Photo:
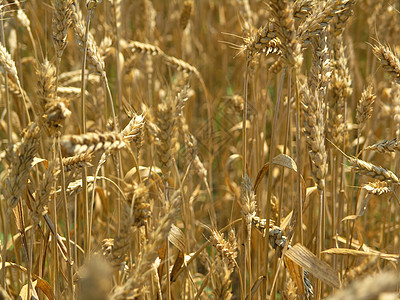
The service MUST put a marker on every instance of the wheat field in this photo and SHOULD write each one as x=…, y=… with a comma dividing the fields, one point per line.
x=199, y=149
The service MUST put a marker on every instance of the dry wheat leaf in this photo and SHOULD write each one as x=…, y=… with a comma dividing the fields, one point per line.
x=363, y=201
x=44, y=286
x=176, y=238
x=255, y=286
x=350, y=217
x=296, y=273
x=282, y=160
x=318, y=268
x=162, y=251
x=310, y=191
x=180, y=258
x=285, y=161
x=40, y=282
x=144, y=173
x=359, y=245
x=345, y=251
x=286, y=221
x=23, y=293
x=37, y=160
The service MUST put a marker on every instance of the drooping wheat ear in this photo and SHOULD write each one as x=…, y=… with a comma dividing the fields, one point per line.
x=185, y=14
x=74, y=77
x=92, y=142
x=77, y=161
x=150, y=49
x=181, y=65
x=368, y=169
x=227, y=250
x=321, y=72
x=167, y=119
x=70, y=92
x=389, y=60
x=134, y=131
x=149, y=253
x=61, y=23
x=46, y=84
x=138, y=196
x=314, y=129
x=344, y=10
x=365, y=107
x=377, y=187
x=139, y=47
x=248, y=202
x=385, y=146
x=282, y=13
x=43, y=194
x=221, y=281
x=93, y=52
x=261, y=41
x=21, y=165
